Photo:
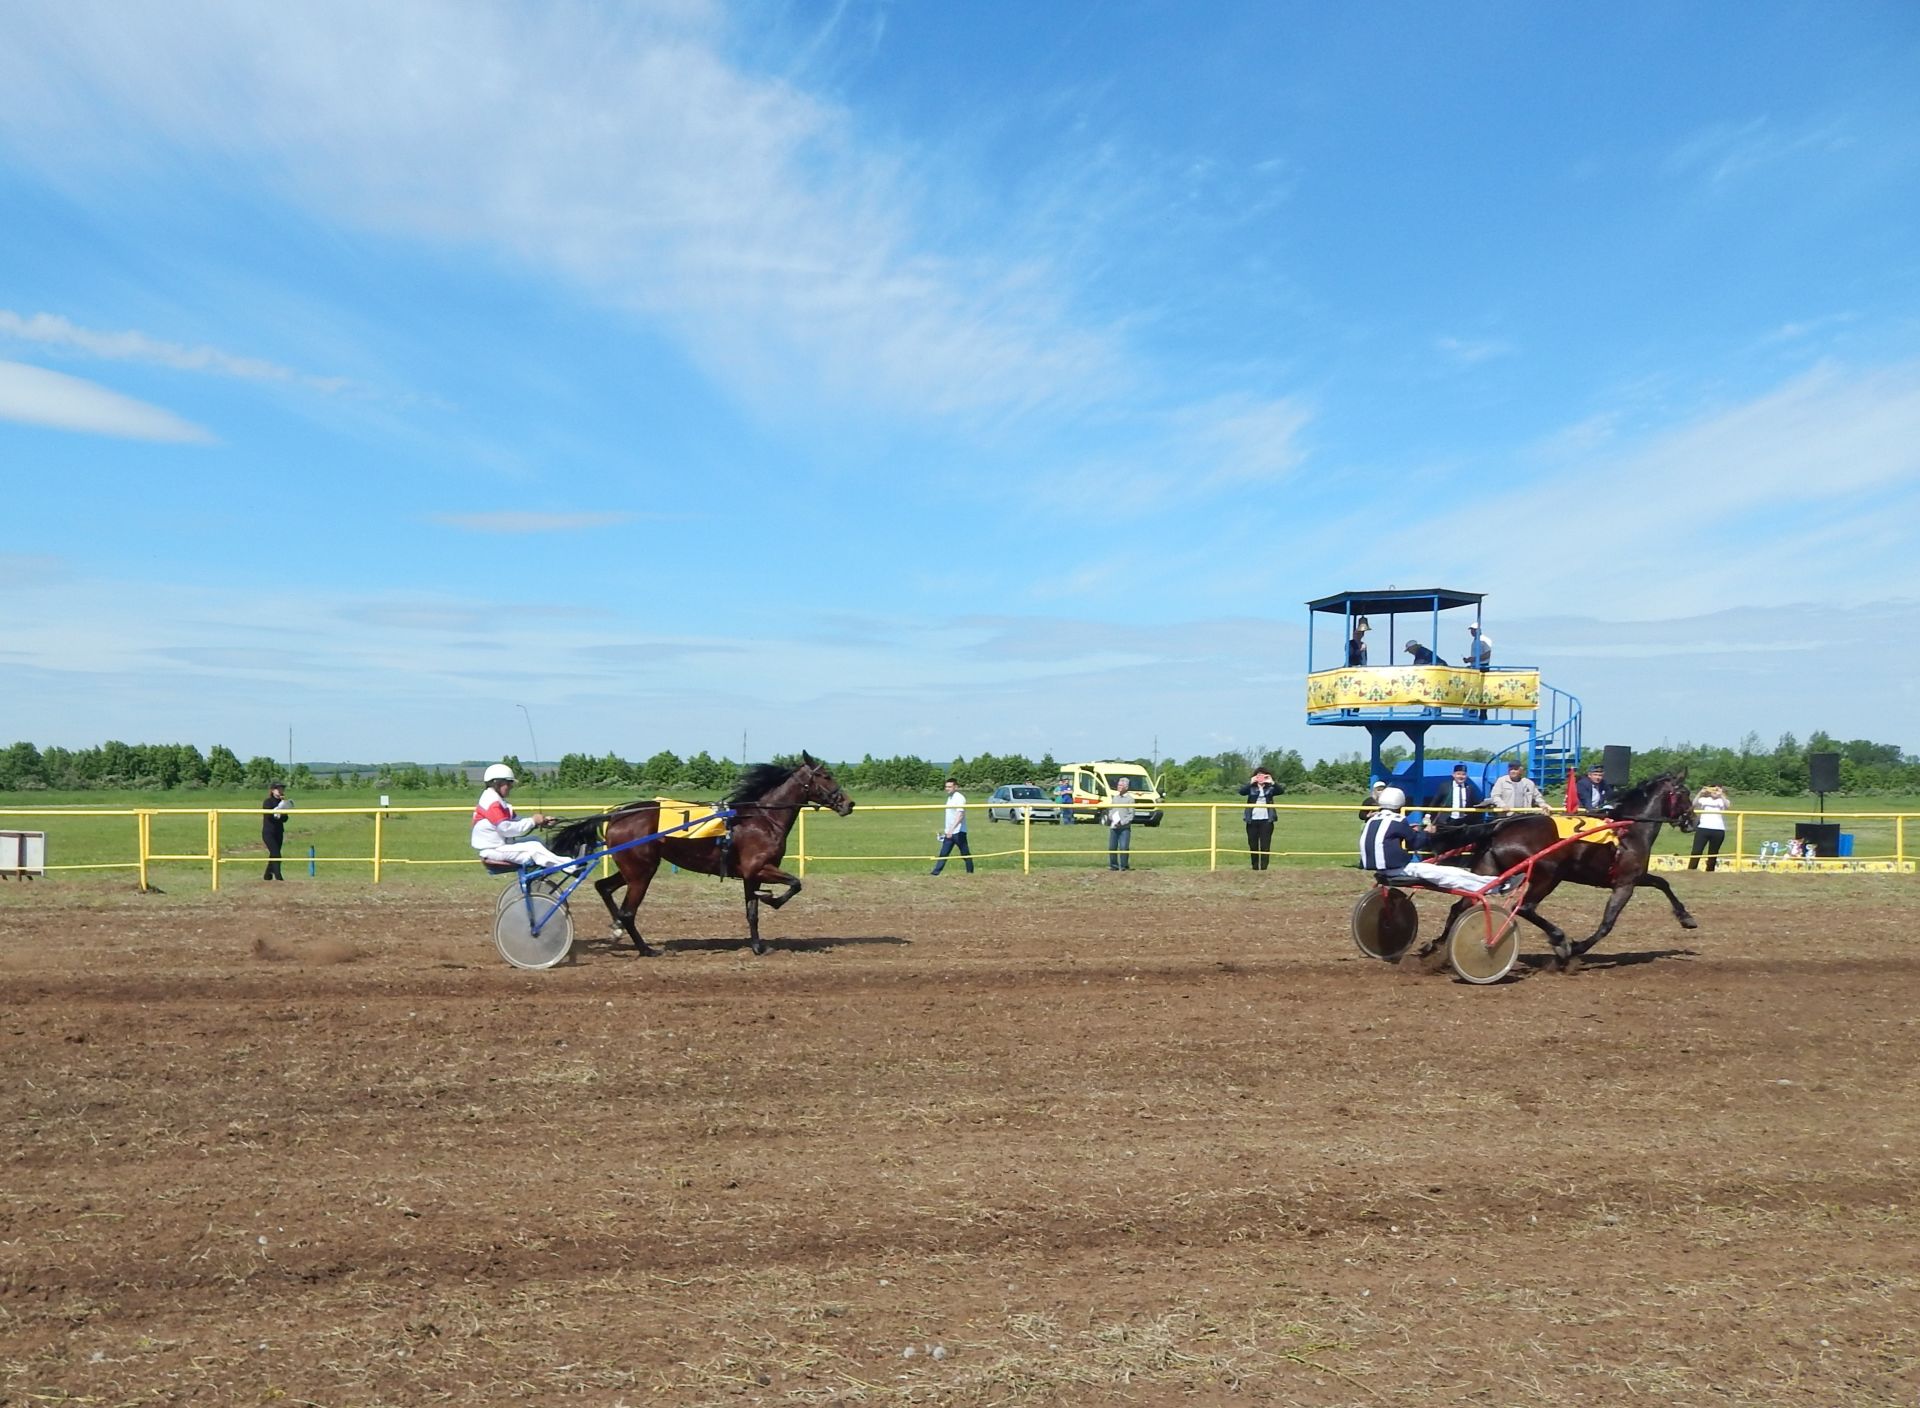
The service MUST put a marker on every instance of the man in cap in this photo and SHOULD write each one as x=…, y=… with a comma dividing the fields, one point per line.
x=1479, y=649
x=1594, y=792
x=497, y=831
x=1457, y=796
x=1517, y=792
x=1421, y=655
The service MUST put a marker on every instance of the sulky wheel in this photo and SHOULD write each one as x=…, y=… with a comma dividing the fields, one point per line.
x=1385, y=923
x=1467, y=947
x=514, y=931
x=549, y=885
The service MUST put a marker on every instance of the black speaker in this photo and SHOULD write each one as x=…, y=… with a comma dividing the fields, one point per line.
x=1823, y=771
x=1618, y=762
x=1824, y=834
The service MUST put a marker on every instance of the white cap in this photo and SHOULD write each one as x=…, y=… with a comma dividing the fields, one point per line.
x=1391, y=799
x=499, y=772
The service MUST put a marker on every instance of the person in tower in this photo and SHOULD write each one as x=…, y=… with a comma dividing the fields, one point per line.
x=497, y=831
x=1388, y=843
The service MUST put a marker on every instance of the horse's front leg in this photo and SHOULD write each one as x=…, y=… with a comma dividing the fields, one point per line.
x=1659, y=882
x=754, y=940
x=780, y=877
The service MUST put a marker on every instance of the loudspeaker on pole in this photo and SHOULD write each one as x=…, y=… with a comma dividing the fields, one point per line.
x=1823, y=772
x=1618, y=761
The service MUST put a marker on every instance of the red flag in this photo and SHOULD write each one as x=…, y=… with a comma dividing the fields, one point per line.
x=1573, y=790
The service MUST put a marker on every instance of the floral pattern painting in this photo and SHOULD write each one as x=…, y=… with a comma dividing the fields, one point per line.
x=1440, y=686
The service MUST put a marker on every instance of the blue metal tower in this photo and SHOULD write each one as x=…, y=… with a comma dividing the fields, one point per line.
x=1396, y=680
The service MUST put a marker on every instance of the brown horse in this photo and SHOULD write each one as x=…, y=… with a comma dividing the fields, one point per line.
x=1620, y=867
x=765, y=801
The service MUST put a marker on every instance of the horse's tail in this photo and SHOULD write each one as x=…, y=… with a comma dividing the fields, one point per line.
x=576, y=838
x=582, y=834
x=1469, y=837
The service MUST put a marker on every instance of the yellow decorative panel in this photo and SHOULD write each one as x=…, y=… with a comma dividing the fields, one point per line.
x=1431, y=685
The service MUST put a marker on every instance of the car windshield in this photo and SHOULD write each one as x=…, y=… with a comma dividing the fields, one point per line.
x=1025, y=794
x=1136, y=781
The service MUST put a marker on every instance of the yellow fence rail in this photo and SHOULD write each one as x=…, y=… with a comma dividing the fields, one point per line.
x=1305, y=831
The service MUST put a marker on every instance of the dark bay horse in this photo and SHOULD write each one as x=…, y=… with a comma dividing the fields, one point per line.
x=1618, y=867
x=766, y=799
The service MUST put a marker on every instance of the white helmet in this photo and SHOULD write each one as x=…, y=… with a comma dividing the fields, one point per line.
x=499, y=772
x=1391, y=799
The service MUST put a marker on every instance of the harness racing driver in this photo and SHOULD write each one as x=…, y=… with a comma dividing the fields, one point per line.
x=1388, y=842
x=496, y=829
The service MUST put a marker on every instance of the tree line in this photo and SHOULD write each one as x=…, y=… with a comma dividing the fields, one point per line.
x=1750, y=768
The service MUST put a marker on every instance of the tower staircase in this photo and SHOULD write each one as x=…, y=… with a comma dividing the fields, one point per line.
x=1552, y=746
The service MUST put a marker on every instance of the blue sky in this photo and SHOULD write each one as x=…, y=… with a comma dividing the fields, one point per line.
x=917, y=377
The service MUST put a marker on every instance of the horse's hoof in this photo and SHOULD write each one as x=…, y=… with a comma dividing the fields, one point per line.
x=1689, y=922
x=757, y=946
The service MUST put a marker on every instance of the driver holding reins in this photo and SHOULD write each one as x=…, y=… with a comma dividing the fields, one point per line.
x=1388, y=843
x=496, y=828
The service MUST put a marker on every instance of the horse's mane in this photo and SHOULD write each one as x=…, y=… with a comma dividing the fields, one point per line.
x=1641, y=792
x=759, y=780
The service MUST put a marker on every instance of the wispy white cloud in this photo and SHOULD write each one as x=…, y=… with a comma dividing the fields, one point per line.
x=1471, y=351
x=48, y=329
x=35, y=396
x=1726, y=152
x=515, y=521
x=1190, y=454
x=621, y=149
x=1813, y=482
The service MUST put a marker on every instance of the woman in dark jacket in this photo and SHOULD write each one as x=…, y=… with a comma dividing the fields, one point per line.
x=1259, y=791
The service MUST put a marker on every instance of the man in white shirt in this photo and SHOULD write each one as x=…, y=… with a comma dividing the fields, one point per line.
x=1480, y=650
x=1517, y=792
x=1458, y=796
x=953, y=828
x=1120, y=827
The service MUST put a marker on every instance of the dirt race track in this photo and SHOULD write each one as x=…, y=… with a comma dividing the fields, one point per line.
x=1073, y=1139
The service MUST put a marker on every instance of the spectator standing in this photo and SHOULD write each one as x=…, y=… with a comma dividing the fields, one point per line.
x=273, y=828
x=1710, y=805
x=953, y=829
x=1479, y=649
x=1260, y=790
x=497, y=830
x=1458, y=796
x=1517, y=792
x=1120, y=827
x=1593, y=791
x=1357, y=643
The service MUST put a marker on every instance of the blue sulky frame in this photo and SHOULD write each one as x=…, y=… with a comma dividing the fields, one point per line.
x=580, y=865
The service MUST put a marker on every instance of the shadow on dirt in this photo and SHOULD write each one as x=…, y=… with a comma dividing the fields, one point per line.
x=1600, y=960
x=814, y=945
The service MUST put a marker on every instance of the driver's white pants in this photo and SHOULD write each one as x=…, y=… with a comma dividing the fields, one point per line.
x=521, y=853
x=1448, y=877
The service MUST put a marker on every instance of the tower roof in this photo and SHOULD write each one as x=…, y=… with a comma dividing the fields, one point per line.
x=1393, y=599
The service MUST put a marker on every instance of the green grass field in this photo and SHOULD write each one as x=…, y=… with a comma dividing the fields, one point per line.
x=423, y=837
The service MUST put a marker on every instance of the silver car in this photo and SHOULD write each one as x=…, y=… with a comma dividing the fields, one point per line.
x=1017, y=800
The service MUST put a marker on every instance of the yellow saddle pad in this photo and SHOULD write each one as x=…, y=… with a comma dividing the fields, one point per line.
x=674, y=813
x=1574, y=825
